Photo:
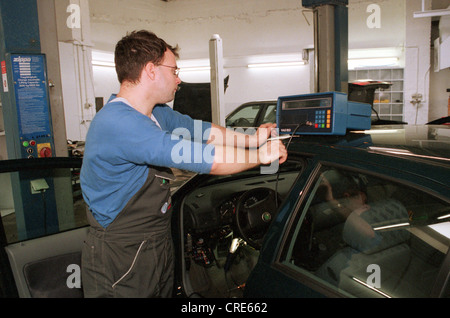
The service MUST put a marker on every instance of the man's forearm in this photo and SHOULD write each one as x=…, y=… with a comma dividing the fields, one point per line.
x=227, y=137
x=229, y=160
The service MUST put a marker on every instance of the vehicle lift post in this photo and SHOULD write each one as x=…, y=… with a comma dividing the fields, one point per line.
x=27, y=116
x=330, y=44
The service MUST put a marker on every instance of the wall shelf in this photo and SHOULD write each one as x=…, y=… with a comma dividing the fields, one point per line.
x=388, y=103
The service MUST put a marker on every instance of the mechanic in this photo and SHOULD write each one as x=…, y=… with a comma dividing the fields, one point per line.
x=126, y=172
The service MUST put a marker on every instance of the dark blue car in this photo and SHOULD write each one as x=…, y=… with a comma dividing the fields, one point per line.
x=361, y=215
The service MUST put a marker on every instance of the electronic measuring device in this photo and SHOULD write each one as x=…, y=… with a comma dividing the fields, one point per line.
x=327, y=113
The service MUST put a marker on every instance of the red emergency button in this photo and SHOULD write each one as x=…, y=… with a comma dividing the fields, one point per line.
x=45, y=152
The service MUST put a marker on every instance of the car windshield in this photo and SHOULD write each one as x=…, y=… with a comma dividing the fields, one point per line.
x=221, y=212
x=244, y=117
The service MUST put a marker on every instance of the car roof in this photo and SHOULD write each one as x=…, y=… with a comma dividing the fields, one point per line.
x=429, y=143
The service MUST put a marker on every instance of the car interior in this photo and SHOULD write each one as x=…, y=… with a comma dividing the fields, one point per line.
x=405, y=244
x=224, y=221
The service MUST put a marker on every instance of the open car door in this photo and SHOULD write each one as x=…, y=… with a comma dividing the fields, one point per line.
x=43, y=227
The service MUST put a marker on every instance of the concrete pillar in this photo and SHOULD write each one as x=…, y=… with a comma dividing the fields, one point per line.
x=217, y=83
x=49, y=41
x=75, y=46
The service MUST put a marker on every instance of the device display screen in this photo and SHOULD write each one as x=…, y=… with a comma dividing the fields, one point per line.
x=327, y=113
x=307, y=103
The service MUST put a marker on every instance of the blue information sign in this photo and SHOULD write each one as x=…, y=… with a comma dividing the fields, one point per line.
x=32, y=103
x=31, y=94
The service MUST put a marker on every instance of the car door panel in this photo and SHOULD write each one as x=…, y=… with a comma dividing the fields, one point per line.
x=398, y=257
x=41, y=260
x=56, y=253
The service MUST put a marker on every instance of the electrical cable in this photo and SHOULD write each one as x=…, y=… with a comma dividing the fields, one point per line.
x=287, y=147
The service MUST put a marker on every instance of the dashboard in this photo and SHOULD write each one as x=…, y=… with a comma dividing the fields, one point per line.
x=213, y=206
x=209, y=211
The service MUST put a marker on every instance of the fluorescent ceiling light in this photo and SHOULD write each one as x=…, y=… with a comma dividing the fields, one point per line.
x=276, y=64
x=102, y=58
x=103, y=63
x=375, y=59
x=194, y=68
x=372, y=62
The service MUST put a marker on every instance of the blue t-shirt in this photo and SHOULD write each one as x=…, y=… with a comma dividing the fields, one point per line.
x=121, y=144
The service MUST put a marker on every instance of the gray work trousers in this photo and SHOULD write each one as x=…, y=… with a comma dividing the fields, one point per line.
x=133, y=256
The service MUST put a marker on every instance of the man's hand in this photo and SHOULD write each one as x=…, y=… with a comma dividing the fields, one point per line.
x=263, y=132
x=271, y=151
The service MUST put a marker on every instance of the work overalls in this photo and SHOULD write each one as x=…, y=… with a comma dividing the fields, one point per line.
x=133, y=256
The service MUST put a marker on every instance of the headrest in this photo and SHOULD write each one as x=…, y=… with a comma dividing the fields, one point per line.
x=381, y=213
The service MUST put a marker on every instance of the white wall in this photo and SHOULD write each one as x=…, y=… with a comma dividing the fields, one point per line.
x=105, y=82
x=252, y=29
x=391, y=31
x=440, y=80
x=438, y=97
x=77, y=77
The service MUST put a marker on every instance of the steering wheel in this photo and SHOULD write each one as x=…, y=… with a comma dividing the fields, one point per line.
x=255, y=210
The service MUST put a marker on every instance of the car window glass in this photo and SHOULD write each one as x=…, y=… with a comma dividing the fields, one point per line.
x=368, y=237
x=245, y=117
x=39, y=203
x=269, y=116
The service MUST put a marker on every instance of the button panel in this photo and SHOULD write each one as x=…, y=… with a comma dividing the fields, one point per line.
x=322, y=118
x=34, y=149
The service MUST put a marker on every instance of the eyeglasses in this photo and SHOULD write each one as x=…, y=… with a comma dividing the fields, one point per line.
x=176, y=69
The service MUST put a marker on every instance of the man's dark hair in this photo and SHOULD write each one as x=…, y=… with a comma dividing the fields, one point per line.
x=135, y=50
